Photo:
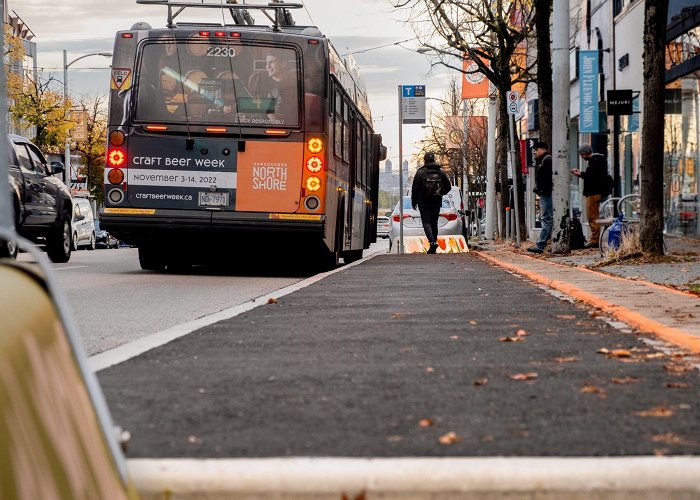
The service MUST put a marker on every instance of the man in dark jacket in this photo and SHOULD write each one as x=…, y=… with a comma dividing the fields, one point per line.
x=429, y=186
x=595, y=187
x=543, y=188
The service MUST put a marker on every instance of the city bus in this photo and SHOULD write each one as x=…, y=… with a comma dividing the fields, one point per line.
x=225, y=137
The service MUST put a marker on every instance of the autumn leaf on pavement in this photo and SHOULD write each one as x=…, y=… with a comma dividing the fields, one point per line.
x=396, y=315
x=671, y=438
x=566, y=316
x=429, y=369
x=657, y=411
x=455, y=337
x=472, y=322
x=593, y=389
x=511, y=339
x=449, y=438
x=624, y=380
x=655, y=355
x=603, y=350
x=677, y=368
x=521, y=333
x=425, y=422
x=481, y=381
x=677, y=385
x=194, y=440
x=272, y=301
x=523, y=376
x=620, y=353
x=566, y=359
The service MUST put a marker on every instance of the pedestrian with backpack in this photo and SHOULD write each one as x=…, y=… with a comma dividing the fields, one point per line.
x=597, y=185
x=429, y=185
x=543, y=188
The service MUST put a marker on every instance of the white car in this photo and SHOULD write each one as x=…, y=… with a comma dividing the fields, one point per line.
x=83, y=224
x=383, y=224
x=449, y=222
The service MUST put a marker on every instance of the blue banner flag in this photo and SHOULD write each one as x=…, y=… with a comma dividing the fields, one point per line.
x=588, y=79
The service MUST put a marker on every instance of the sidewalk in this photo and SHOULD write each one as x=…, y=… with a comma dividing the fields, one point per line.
x=654, y=296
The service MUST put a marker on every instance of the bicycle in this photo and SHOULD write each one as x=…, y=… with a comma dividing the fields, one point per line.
x=628, y=207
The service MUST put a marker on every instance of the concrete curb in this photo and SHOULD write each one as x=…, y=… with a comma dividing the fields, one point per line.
x=414, y=478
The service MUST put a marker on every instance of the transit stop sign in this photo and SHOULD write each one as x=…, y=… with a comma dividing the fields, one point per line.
x=413, y=103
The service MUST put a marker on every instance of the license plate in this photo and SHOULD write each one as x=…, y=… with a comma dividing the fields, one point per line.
x=207, y=199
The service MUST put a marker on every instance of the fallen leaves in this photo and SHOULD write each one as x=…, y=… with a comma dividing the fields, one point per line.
x=472, y=322
x=589, y=388
x=671, y=438
x=677, y=385
x=481, y=381
x=566, y=316
x=624, y=380
x=519, y=337
x=566, y=359
x=449, y=438
x=677, y=368
x=657, y=411
x=429, y=369
x=272, y=301
x=396, y=315
x=524, y=376
x=194, y=440
x=425, y=422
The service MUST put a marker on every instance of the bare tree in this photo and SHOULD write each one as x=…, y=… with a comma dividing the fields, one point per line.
x=492, y=34
x=651, y=168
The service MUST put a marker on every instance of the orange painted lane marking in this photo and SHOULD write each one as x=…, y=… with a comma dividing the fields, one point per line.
x=633, y=318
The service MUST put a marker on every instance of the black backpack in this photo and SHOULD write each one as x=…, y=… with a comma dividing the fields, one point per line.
x=576, y=239
x=432, y=183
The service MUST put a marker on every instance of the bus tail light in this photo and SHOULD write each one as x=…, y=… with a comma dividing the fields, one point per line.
x=314, y=145
x=313, y=184
x=314, y=164
x=116, y=196
x=115, y=176
x=116, y=157
x=117, y=138
x=312, y=203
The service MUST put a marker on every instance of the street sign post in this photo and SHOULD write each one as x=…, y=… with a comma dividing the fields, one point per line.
x=513, y=99
x=413, y=103
x=411, y=110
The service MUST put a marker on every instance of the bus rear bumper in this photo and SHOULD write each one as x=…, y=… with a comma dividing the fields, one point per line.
x=175, y=224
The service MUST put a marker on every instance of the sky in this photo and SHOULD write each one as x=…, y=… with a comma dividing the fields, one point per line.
x=87, y=26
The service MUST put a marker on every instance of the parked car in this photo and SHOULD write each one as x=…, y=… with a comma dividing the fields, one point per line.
x=449, y=222
x=42, y=203
x=83, y=224
x=103, y=239
x=383, y=224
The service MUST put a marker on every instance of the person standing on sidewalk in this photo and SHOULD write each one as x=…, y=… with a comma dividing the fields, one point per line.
x=543, y=188
x=595, y=188
x=429, y=185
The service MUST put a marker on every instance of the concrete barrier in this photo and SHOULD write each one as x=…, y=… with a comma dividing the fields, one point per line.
x=419, y=244
x=418, y=478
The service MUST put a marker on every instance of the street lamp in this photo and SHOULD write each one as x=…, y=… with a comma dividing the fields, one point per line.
x=66, y=65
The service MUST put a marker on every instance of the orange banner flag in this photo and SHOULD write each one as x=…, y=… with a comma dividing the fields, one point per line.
x=474, y=82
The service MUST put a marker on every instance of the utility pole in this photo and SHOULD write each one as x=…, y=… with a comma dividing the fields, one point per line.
x=560, y=128
x=491, y=166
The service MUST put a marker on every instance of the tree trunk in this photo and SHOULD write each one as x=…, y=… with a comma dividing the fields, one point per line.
x=543, y=15
x=502, y=162
x=651, y=168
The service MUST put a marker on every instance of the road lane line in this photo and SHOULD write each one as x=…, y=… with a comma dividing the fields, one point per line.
x=137, y=347
x=64, y=268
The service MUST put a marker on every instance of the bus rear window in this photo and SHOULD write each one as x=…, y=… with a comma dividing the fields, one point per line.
x=216, y=83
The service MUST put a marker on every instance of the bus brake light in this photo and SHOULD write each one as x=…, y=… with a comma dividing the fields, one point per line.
x=219, y=33
x=204, y=33
x=116, y=157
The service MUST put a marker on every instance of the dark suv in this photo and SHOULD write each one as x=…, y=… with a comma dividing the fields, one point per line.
x=42, y=203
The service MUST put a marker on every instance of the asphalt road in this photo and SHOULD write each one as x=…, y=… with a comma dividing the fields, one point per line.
x=115, y=302
x=403, y=356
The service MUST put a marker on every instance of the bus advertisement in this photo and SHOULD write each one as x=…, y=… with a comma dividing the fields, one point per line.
x=221, y=135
